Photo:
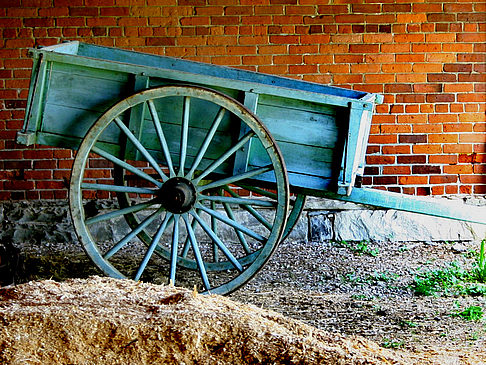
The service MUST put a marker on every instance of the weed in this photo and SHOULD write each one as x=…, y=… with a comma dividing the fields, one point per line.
x=392, y=344
x=361, y=248
x=383, y=276
x=481, y=263
x=441, y=280
x=405, y=323
x=471, y=313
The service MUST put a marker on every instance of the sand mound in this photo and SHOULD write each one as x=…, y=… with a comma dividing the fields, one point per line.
x=103, y=320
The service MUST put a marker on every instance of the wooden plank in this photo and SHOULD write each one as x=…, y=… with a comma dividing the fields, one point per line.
x=156, y=61
x=73, y=122
x=308, y=160
x=356, y=141
x=299, y=126
x=243, y=154
x=84, y=91
x=208, y=80
x=297, y=104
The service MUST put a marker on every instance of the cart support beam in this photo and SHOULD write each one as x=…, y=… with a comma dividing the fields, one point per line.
x=439, y=208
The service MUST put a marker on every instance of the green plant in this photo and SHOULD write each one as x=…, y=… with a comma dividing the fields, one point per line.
x=449, y=280
x=471, y=313
x=481, y=263
x=392, y=344
x=361, y=248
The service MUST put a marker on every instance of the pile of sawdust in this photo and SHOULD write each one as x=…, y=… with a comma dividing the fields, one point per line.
x=103, y=320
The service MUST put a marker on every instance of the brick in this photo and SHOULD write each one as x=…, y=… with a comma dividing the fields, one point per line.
x=411, y=18
x=472, y=138
x=364, y=48
x=457, y=67
x=412, y=159
x=458, y=169
x=397, y=8
x=441, y=17
x=443, y=138
x=412, y=118
x=284, y=39
x=425, y=169
x=18, y=185
x=413, y=180
x=385, y=180
x=38, y=22
x=413, y=138
x=444, y=159
x=458, y=148
x=397, y=170
x=441, y=98
x=380, y=19
x=396, y=150
x=458, y=127
x=350, y=18
x=380, y=160
x=366, y=8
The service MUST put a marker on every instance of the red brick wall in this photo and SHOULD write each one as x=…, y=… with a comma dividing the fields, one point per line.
x=428, y=59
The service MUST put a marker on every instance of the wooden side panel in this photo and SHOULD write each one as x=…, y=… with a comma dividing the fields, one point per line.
x=76, y=96
x=308, y=136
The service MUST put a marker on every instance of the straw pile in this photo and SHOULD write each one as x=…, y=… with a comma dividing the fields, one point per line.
x=108, y=321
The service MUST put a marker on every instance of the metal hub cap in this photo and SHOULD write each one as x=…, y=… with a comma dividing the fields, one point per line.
x=177, y=195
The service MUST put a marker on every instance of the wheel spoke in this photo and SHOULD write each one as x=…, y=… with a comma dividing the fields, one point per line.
x=225, y=156
x=174, y=248
x=214, y=227
x=140, y=148
x=184, y=133
x=237, y=200
x=133, y=233
x=117, y=213
x=118, y=188
x=197, y=253
x=249, y=208
x=233, y=223
x=220, y=244
x=152, y=246
x=235, y=178
x=160, y=134
x=206, y=142
x=240, y=235
x=259, y=191
x=126, y=166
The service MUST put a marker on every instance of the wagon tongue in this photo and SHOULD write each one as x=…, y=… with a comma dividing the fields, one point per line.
x=177, y=195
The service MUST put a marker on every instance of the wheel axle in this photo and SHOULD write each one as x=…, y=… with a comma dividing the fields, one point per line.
x=177, y=195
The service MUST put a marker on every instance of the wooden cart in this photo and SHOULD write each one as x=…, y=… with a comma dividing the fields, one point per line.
x=185, y=171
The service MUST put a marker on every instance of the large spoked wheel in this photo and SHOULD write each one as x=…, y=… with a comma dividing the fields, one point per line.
x=157, y=193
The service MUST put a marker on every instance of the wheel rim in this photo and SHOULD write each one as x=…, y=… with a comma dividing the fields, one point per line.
x=177, y=202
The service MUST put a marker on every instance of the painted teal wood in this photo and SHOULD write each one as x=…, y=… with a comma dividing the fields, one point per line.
x=76, y=82
x=435, y=207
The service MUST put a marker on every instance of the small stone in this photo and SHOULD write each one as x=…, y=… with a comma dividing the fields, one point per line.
x=459, y=248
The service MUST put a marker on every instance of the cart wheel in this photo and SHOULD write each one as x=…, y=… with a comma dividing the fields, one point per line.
x=174, y=185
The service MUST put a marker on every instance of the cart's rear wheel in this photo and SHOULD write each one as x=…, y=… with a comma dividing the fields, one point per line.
x=173, y=150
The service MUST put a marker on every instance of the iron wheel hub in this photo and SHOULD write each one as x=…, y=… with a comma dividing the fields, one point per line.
x=177, y=195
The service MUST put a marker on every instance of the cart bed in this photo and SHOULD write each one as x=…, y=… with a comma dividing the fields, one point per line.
x=321, y=130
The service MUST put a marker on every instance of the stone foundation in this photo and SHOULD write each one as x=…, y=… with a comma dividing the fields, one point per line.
x=45, y=223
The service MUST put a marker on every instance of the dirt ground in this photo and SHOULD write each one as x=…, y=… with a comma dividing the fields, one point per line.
x=363, y=294
x=335, y=288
